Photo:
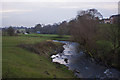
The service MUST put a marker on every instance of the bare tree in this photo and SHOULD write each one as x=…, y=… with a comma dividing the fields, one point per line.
x=85, y=26
x=37, y=27
x=10, y=31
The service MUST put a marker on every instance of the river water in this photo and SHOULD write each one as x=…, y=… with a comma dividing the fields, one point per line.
x=83, y=66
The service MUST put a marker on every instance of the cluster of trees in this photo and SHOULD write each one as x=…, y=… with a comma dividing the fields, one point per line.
x=43, y=29
x=47, y=29
x=101, y=41
x=9, y=31
x=57, y=28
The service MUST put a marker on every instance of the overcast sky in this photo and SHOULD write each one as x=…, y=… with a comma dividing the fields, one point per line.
x=29, y=13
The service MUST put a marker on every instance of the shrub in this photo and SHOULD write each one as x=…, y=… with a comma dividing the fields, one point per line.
x=104, y=46
x=46, y=48
x=10, y=31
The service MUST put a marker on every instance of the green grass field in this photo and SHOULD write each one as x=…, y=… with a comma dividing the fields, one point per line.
x=21, y=63
x=48, y=36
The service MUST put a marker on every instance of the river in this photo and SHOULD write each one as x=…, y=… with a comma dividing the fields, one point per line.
x=82, y=65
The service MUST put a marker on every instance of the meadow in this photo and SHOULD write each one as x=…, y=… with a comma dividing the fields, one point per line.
x=21, y=63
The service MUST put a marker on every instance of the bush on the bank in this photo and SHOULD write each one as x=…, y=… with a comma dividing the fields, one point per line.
x=104, y=46
x=46, y=48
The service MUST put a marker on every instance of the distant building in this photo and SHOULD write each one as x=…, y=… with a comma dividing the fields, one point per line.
x=38, y=32
x=106, y=21
x=115, y=19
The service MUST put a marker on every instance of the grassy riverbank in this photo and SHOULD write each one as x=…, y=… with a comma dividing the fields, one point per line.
x=22, y=63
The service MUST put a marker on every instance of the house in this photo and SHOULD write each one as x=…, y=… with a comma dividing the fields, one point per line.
x=106, y=21
x=115, y=19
